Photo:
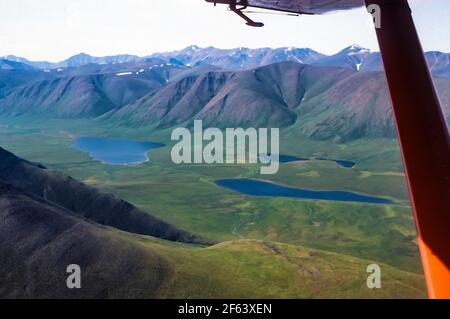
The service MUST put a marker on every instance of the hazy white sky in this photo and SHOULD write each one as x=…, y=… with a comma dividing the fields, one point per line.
x=56, y=29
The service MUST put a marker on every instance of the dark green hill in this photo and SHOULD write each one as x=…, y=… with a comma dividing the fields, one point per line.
x=84, y=200
x=39, y=239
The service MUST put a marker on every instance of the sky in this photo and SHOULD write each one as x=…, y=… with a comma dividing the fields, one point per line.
x=54, y=30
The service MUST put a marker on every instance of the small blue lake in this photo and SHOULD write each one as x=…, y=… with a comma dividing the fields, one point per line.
x=284, y=158
x=115, y=151
x=259, y=188
x=289, y=158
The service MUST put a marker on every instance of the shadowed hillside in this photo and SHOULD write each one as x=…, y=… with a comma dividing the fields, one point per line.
x=84, y=200
x=39, y=239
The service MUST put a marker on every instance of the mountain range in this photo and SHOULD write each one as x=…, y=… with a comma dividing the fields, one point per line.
x=75, y=61
x=341, y=97
x=353, y=57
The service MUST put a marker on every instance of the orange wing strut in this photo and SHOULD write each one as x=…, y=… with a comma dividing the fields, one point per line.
x=424, y=139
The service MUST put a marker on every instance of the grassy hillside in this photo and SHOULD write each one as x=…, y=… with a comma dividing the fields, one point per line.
x=262, y=269
x=40, y=239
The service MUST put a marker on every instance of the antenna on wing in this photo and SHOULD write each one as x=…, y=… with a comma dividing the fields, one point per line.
x=273, y=13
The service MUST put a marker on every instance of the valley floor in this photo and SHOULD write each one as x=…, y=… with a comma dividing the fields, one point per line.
x=266, y=247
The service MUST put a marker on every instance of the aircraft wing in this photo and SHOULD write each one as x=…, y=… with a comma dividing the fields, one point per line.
x=299, y=6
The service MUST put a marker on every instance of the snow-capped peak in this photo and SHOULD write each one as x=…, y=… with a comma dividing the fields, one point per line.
x=355, y=49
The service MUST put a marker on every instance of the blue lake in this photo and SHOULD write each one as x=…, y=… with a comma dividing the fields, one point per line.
x=259, y=188
x=115, y=151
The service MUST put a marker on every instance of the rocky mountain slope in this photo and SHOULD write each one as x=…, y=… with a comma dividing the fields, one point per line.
x=438, y=62
x=262, y=97
x=323, y=102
